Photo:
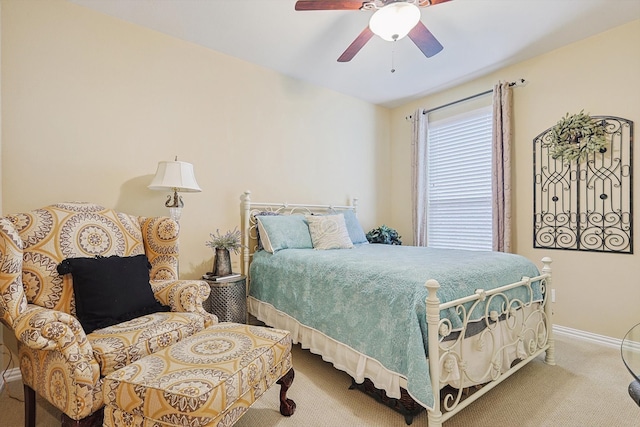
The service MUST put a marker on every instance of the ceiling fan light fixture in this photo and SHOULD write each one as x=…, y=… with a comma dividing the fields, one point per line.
x=394, y=21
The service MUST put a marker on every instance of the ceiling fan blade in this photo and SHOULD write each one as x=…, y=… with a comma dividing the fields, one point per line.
x=431, y=2
x=425, y=41
x=356, y=45
x=329, y=4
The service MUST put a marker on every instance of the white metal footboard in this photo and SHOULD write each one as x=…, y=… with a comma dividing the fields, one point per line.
x=526, y=329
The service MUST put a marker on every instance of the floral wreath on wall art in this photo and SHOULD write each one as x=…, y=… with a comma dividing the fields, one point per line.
x=575, y=137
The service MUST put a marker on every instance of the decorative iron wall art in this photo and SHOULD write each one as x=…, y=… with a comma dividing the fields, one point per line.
x=585, y=204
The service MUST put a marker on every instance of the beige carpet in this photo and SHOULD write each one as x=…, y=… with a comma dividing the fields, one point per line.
x=587, y=388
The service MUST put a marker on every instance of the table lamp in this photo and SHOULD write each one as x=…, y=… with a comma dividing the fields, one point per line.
x=178, y=177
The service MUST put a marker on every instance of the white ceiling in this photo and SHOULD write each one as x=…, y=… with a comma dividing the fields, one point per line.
x=479, y=36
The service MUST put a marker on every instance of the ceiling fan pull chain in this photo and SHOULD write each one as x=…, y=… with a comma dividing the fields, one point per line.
x=393, y=68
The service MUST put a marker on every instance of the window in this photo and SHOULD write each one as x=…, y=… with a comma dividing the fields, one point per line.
x=459, y=181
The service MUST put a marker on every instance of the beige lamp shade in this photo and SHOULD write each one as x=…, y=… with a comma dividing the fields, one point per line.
x=177, y=176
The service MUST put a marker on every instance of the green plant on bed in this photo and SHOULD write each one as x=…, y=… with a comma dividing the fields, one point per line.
x=385, y=235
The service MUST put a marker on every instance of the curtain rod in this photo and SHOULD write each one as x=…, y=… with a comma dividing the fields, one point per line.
x=518, y=82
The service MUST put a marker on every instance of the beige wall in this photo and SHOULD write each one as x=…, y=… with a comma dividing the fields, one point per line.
x=90, y=104
x=595, y=292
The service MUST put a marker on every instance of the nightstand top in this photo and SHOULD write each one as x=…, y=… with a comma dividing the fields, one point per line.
x=223, y=279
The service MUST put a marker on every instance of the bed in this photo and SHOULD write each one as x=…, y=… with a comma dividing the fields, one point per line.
x=380, y=312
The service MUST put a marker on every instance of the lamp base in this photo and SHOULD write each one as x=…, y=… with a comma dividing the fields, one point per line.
x=175, y=213
x=174, y=201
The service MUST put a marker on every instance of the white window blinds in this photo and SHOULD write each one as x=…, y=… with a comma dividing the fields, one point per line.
x=459, y=181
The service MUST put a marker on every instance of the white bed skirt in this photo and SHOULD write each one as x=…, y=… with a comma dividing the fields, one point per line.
x=343, y=357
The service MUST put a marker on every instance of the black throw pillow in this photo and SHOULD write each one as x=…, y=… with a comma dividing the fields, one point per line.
x=110, y=290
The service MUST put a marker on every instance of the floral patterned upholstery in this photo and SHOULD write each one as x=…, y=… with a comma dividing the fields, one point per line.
x=57, y=358
x=118, y=345
x=208, y=379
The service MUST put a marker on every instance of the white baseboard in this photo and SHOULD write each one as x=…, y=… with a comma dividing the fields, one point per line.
x=587, y=336
x=12, y=374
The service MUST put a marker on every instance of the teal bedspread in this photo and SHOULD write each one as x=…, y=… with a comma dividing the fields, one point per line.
x=372, y=297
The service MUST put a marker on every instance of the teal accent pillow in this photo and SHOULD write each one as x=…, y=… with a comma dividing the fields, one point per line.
x=356, y=233
x=284, y=232
x=263, y=213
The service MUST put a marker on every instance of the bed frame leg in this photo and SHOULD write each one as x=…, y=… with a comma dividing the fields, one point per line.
x=287, y=406
x=550, y=354
x=435, y=419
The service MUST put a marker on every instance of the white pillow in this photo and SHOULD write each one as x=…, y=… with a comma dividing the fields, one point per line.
x=329, y=232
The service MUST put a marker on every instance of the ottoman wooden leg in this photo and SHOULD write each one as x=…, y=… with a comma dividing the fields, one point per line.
x=287, y=406
x=93, y=420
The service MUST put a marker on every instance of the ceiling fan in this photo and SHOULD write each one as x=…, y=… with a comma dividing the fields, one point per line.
x=392, y=20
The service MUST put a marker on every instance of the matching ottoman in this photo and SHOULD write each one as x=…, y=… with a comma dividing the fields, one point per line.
x=208, y=379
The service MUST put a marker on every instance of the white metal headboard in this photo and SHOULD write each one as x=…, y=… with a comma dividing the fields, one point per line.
x=248, y=225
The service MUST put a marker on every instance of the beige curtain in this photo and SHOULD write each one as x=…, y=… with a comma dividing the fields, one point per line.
x=419, y=178
x=501, y=182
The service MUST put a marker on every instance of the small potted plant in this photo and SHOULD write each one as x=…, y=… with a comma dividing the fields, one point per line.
x=385, y=235
x=222, y=244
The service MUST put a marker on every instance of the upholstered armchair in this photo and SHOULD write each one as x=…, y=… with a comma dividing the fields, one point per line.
x=59, y=360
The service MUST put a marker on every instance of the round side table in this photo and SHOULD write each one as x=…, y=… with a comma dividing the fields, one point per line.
x=228, y=299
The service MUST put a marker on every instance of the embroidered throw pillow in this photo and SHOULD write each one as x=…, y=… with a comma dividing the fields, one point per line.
x=329, y=232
